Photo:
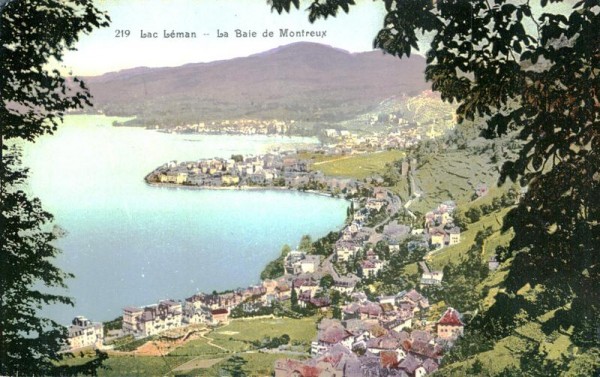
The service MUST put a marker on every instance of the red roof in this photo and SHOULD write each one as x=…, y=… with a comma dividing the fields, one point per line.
x=220, y=311
x=297, y=366
x=389, y=359
x=309, y=371
x=451, y=318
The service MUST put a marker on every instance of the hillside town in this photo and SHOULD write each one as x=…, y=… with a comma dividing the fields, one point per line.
x=235, y=127
x=360, y=333
x=395, y=123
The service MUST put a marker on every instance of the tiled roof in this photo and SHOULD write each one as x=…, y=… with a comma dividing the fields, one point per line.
x=420, y=336
x=386, y=342
x=451, y=318
x=430, y=366
x=389, y=359
x=371, y=309
x=409, y=364
x=413, y=295
x=425, y=349
x=333, y=335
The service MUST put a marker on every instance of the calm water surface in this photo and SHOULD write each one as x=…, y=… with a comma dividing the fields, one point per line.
x=131, y=244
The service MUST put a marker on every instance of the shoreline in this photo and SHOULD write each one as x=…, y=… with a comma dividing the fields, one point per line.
x=240, y=188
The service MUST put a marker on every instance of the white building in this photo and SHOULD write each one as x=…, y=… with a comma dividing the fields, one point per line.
x=83, y=333
x=153, y=319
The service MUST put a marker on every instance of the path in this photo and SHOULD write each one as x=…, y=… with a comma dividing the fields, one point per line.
x=210, y=342
x=199, y=362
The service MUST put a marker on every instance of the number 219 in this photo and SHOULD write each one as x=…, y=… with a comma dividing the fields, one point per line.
x=122, y=33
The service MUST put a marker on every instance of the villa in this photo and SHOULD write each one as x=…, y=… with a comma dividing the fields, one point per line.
x=152, y=319
x=83, y=333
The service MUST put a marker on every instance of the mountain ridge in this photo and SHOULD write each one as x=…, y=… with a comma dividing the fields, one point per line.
x=303, y=80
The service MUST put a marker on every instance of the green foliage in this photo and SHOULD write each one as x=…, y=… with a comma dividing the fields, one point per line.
x=392, y=175
x=326, y=282
x=392, y=277
x=234, y=367
x=115, y=324
x=89, y=368
x=337, y=313
x=34, y=100
x=237, y=158
x=534, y=362
x=272, y=342
x=238, y=311
x=306, y=244
x=134, y=344
x=473, y=214
x=285, y=250
x=460, y=219
x=27, y=343
x=324, y=246
x=472, y=343
x=461, y=276
x=376, y=218
x=294, y=299
x=274, y=268
x=34, y=32
x=539, y=84
x=382, y=250
x=335, y=296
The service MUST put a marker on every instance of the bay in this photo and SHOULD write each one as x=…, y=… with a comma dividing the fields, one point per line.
x=131, y=244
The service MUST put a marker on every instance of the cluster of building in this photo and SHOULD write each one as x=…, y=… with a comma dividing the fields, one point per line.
x=297, y=263
x=422, y=119
x=439, y=226
x=388, y=337
x=404, y=135
x=210, y=309
x=237, y=127
x=281, y=169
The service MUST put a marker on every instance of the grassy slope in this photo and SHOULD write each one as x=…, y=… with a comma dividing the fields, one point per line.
x=235, y=337
x=358, y=166
x=454, y=253
x=257, y=364
x=506, y=352
x=453, y=175
x=141, y=366
x=301, y=330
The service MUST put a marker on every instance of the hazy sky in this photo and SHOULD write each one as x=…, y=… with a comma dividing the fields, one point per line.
x=103, y=51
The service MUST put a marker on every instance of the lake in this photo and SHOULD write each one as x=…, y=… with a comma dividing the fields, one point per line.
x=131, y=244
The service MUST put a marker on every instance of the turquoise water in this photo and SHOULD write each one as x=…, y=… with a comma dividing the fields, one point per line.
x=132, y=244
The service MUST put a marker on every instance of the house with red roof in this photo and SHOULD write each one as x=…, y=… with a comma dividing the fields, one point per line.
x=450, y=326
x=220, y=315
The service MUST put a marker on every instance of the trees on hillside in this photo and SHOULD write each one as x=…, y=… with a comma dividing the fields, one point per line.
x=531, y=72
x=33, y=33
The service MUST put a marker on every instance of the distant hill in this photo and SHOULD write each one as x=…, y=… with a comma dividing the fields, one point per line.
x=301, y=81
